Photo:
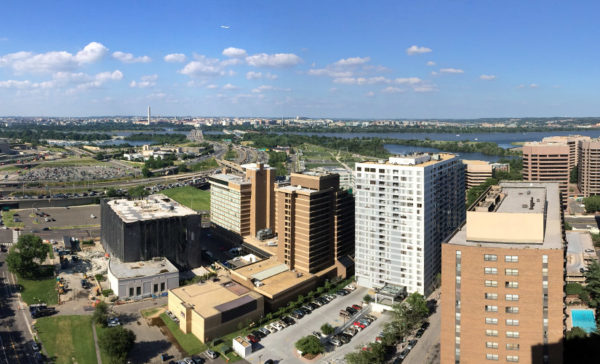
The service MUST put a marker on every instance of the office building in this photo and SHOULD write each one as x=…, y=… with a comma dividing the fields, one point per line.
x=137, y=280
x=477, y=172
x=573, y=142
x=547, y=162
x=156, y=226
x=588, y=180
x=405, y=207
x=314, y=227
x=503, y=278
x=241, y=206
x=346, y=176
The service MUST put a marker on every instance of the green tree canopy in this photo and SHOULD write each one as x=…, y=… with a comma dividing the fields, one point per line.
x=26, y=257
x=310, y=345
x=574, y=176
x=327, y=329
x=116, y=342
x=592, y=203
x=137, y=192
x=100, y=313
x=373, y=353
x=592, y=280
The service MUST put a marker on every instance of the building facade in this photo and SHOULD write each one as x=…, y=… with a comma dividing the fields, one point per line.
x=573, y=142
x=477, y=172
x=503, y=278
x=139, y=280
x=230, y=197
x=404, y=208
x=547, y=162
x=588, y=180
x=314, y=231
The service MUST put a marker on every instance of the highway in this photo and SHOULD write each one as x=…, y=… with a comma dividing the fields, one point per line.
x=15, y=328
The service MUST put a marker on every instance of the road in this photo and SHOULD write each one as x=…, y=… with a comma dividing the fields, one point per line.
x=427, y=350
x=583, y=222
x=15, y=334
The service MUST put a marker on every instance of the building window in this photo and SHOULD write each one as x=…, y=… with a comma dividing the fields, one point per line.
x=511, y=272
x=544, y=259
x=491, y=283
x=491, y=345
x=512, y=346
x=491, y=308
x=130, y=291
x=511, y=258
x=162, y=286
x=512, y=334
x=512, y=297
x=491, y=321
x=512, y=309
x=491, y=332
x=155, y=287
x=490, y=257
x=138, y=291
x=511, y=284
x=491, y=296
x=512, y=358
x=491, y=356
x=511, y=322
x=490, y=270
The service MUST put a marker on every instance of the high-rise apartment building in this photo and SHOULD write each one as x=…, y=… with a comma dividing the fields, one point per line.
x=477, y=172
x=405, y=207
x=243, y=205
x=503, y=277
x=573, y=142
x=547, y=162
x=314, y=227
x=588, y=180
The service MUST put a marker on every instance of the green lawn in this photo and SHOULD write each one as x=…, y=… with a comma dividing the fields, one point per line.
x=39, y=290
x=188, y=342
x=7, y=219
x=190, y=197
x=68, y=339
x=69, y=162
x=100, y=330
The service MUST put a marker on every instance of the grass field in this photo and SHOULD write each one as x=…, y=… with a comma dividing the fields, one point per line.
x=190, y=196
x=68, y=339
x=100, y=330
x=69, y=162
x=7, y=219
x=188, y=342
x=38, y=290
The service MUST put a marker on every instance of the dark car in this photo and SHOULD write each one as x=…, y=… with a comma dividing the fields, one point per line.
x=288, y=320
x=342, y=292
x=425, y=325
x=269, y=361
x=297, y=314
x=345, y=338
x=253, y=339
x=314, y=306
x=258, y=334
x=420, y=333
x=351, y=310
x=304, y=311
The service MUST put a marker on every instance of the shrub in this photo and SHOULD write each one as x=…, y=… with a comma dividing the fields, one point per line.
x=107, y=292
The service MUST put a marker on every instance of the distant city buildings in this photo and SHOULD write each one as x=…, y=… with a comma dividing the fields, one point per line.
x=588, y=180
x=548, y=162
x=503, y=278
x=405, y=207
x=477, y=172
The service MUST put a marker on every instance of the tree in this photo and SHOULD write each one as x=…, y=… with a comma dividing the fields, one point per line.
x=309, y=345
x=100, y=313
x=327, y=329
x=373, y=353
x=137, y=192
x=576, y=333
x=26, y=257
x=592, y=280
x=111, y=192
x=367, y=298
x=146, y=172
x=409, y=314
x=574, y=176
x=116, y=342
x=592, y=203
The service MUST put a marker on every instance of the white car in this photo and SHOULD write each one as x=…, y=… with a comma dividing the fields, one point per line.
x=270, y=329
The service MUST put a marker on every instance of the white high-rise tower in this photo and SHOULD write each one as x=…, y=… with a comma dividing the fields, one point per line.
x=148, y=114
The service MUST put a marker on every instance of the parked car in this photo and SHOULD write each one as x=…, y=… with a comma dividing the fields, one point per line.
x=253, y=339
x=297, y=314
x=211, y=354
x=342, y=292
x=264, y=331
x=313, y=305
x=316, y=334
x=358, y=324
x=35, y=346
x=188, y=361
x=345, y=313
x=351, y=310
x=270, y=328
x=288, y=320
x=307, y=308
x=258, y=334
x=411, y=344
x=357, y=307
x=403, y=354
x=345, y=338
x=334, y=341
x=420, y=333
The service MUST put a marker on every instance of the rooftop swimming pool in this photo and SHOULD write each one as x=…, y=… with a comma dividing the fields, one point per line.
x=584, y=319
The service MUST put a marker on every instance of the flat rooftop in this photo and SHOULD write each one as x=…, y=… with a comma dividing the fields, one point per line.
x=274, y=278
x=512, y=203
x=157, y=206
x=211, y=298
x=147, y=268
x=295, y=188
x=414, y=160
x=256, y=166
x=268, y=246
x=227, y=177
x=475, y=161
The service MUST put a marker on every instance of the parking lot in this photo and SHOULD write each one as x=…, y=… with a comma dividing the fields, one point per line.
x=279, y=346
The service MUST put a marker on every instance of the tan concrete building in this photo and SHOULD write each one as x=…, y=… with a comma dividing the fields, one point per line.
x=503, y=279
x=243, y=205
x=213, y=309
x=477, y=172
x=544, y=162
x=313, y=227
x=573, y=142
x=588, y=180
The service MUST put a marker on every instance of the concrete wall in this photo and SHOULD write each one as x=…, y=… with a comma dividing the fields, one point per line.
x=53, y=202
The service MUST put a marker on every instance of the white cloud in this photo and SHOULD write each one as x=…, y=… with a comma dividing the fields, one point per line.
x=329, y=72
x=203, y=66
x=229, y=86
x=262, y=88
x=352, y=61
x=426, y=87
x=408, y=80
x=145, y=81
x=175, y=58
x=392, y=90
x=212, y=86
x=3, y=39
x=534, y=85
x=234, y=52
x=361, y=80
x=231, y=62
x=487, y=77
x=451, y=70
x=412, y=50
x=370, y=94
x=130, y=58
x=54, y=61
x=69, y=81
x=273, y=60
x=253, y=75
x=225, y=26
x=431, y=63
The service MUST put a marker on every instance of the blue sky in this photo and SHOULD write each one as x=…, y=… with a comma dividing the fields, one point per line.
x=350, y=59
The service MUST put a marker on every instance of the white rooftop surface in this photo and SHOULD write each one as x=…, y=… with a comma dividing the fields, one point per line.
x=553, y=226
x=292, y=188
x=254, y=166
x=140, y=269
x=227, y=177
x=153, y=207
x=518, y=200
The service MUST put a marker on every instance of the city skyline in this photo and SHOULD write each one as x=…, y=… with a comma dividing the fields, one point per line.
x=384, y=60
